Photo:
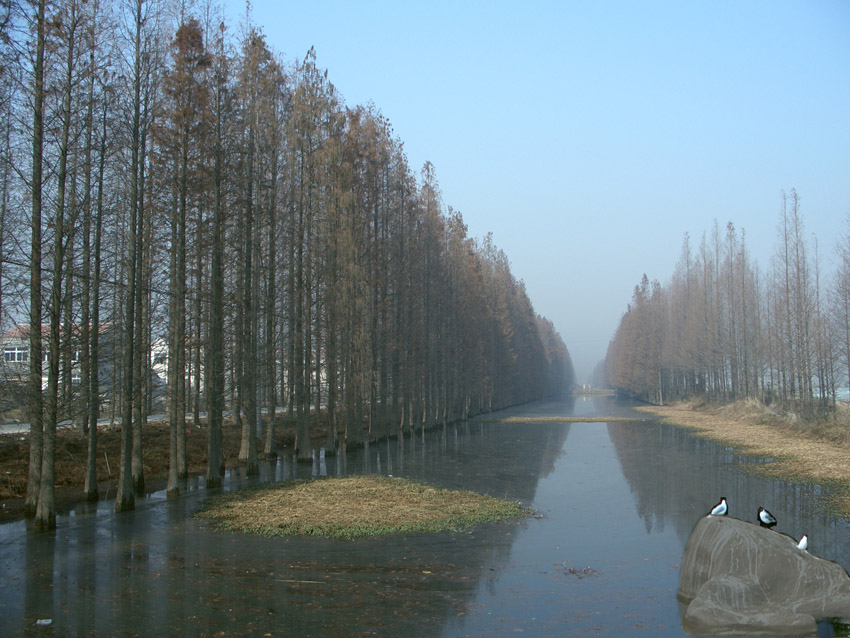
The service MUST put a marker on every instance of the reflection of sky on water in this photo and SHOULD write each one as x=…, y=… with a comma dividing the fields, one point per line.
x=616, y=503
x=589, y=567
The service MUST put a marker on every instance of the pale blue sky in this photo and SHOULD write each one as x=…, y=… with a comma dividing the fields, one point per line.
x=588, y=137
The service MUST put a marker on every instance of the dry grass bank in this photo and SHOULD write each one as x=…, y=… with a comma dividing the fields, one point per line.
x=803, y=451
x=354, y=507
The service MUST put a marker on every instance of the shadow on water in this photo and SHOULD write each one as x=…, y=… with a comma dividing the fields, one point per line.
x=615, y=505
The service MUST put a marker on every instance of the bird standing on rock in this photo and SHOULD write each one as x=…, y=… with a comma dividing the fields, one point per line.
x=804, y=543
x=766, y=519
x=720, y=509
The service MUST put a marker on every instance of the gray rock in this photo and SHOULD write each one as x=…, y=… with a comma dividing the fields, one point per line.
x=740, y=578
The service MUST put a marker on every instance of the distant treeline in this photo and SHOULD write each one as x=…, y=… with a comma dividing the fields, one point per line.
x=165, y=181
x=726, y=330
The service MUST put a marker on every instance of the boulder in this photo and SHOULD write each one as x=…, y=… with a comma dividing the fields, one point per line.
x=738, y=577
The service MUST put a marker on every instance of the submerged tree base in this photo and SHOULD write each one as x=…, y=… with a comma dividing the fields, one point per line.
x=354, y=507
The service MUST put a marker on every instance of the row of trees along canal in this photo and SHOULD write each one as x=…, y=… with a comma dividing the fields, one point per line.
x=726, y=330
x=184, y=184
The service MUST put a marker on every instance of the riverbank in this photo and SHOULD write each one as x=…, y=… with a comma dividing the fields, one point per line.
x=800, y=451
x=71, y=453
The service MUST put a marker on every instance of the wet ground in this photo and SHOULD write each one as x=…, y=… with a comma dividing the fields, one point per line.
x=615, y=504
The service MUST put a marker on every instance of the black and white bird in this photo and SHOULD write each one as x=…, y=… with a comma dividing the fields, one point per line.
x=766, y=519
x=804, y=543
x=720, y=509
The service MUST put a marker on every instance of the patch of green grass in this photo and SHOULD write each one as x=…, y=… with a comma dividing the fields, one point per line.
x=354, y=507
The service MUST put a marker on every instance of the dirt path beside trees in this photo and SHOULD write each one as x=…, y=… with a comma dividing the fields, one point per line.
x=818, y=451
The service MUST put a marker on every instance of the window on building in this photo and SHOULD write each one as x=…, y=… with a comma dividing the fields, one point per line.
x=16, y=354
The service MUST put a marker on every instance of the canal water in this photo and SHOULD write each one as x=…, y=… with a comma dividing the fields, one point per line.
x=614, y=505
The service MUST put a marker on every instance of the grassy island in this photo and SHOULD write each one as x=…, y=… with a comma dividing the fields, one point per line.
x=354, y=507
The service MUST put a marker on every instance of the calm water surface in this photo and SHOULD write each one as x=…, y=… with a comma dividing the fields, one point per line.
x=615, y=505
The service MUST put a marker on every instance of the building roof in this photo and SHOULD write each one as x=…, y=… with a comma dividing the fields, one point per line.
x=22, y=330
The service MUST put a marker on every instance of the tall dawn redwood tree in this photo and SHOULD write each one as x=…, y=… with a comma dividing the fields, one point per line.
x=46, y=507
x=253, y=89
x=92, y=258
x=125, y=498
x=214, y=370
x=36, y=405
x=186, y=113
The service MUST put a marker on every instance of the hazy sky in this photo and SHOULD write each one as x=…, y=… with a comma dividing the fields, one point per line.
x=588, y=137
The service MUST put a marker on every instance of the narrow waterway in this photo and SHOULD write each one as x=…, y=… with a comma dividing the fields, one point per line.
x=615, y=505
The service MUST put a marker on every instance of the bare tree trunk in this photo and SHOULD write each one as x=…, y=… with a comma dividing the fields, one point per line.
x=45, y=514
x=172, y=488
x=142, y=347
x=248, y=448
x=197, y=332
x=215, y=350
x=89, y=350
x=94, y=378
x=269, y=448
